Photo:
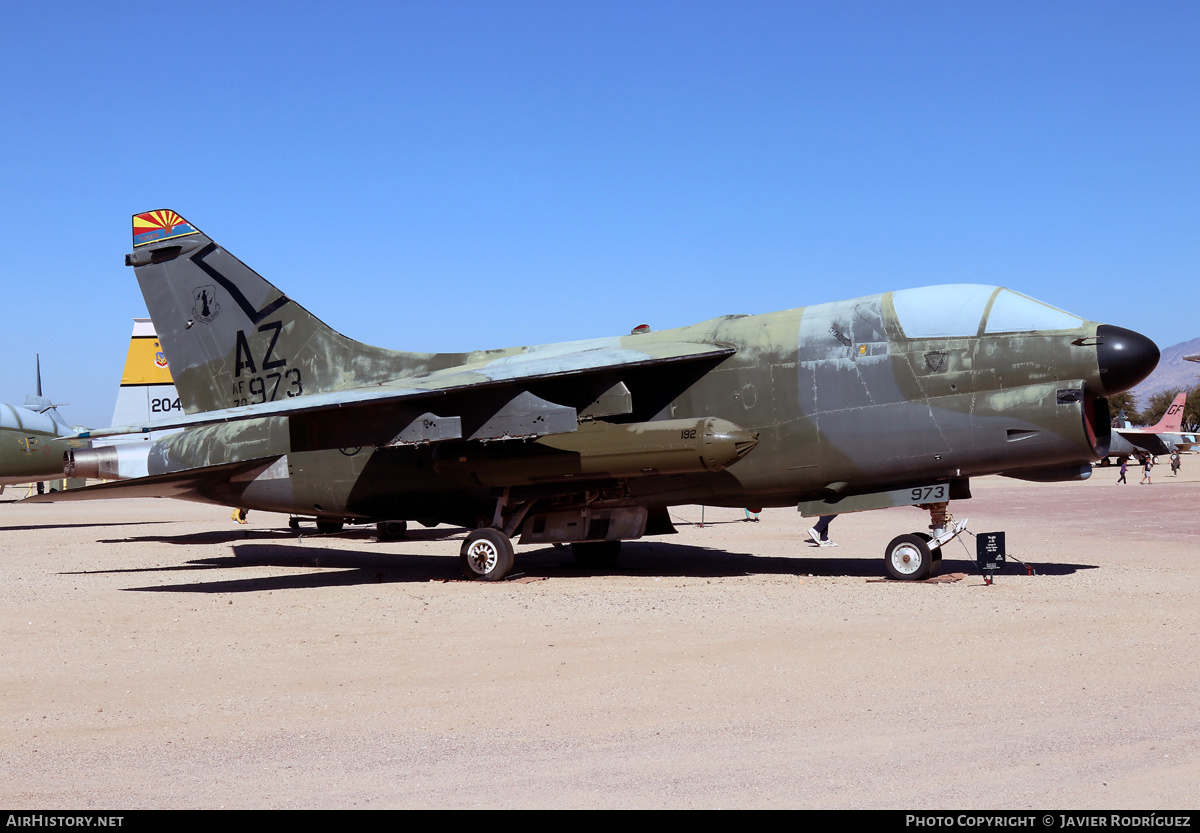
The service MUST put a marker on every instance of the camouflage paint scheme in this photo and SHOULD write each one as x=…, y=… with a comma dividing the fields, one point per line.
x=892, y=398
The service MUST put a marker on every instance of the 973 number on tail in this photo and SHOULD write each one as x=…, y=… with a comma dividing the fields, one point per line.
x=279, y=382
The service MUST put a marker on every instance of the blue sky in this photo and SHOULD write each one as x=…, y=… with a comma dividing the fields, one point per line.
x=462, y=175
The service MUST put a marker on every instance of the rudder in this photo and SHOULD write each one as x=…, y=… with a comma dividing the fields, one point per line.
x=147, y=391
x=1172, y=420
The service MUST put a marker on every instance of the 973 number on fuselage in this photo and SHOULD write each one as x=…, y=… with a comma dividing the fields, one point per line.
x=937, y=493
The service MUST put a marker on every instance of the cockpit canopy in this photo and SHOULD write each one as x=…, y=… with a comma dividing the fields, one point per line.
x=972, y=310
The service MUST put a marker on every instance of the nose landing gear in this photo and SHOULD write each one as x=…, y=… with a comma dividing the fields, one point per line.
x=917, y=556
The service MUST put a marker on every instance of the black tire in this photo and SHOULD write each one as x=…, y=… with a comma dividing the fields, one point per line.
x=391, y=530
x=935, y=554
x=486, y=555
x=324, y=525
x=908, y=558
x=596, y=553
x=293, y=523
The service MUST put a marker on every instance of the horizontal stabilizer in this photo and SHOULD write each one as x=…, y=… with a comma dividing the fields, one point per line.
x=192, y=484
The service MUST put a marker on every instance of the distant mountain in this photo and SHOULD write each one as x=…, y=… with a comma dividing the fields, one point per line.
x=1172, y=372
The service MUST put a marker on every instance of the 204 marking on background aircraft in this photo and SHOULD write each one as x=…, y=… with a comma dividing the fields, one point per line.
x=892, y=399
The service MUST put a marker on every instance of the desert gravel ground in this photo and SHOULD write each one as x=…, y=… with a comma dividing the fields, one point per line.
x=157, y=655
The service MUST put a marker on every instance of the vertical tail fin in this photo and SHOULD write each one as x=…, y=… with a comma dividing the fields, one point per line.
x=147, y=391
x=1172, y=421
x=232, y=338
x=42, y=404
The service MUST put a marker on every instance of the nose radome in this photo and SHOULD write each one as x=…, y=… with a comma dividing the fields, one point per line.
x=1125, y=358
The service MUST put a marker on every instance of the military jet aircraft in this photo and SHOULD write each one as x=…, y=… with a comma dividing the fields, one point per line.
x=32, y=441
x=892, y=399
x=1162, y=438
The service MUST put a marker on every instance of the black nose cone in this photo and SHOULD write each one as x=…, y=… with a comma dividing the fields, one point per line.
x=1125, y=358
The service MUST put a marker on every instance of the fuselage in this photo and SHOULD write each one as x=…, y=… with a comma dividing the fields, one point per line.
x=915, y=386
x=30, y=446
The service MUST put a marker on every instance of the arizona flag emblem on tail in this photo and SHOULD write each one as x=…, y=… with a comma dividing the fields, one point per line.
x=159, y=225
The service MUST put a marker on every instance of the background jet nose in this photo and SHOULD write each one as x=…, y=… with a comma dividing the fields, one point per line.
x=1125, y=358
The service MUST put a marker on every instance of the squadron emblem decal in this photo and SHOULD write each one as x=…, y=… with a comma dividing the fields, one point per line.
x=206, y=308
x=153, y=226
x=255, y=315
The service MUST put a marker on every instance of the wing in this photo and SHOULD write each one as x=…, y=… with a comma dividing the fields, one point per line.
x=539, y=392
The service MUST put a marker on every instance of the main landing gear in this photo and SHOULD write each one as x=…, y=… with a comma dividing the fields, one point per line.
x=487, y=555
x=918, y=556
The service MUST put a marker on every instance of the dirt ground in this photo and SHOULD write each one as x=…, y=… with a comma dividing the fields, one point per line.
x=157, y=655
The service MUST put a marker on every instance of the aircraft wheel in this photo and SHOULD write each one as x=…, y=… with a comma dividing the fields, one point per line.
x=596, y=553
x=391, y=530
x=326, y=526
x=487, y=555
x=935, y=555
x=908, y=558
x=293, y=523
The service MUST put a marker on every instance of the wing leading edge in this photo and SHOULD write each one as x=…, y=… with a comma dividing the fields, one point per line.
x=601, y=357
